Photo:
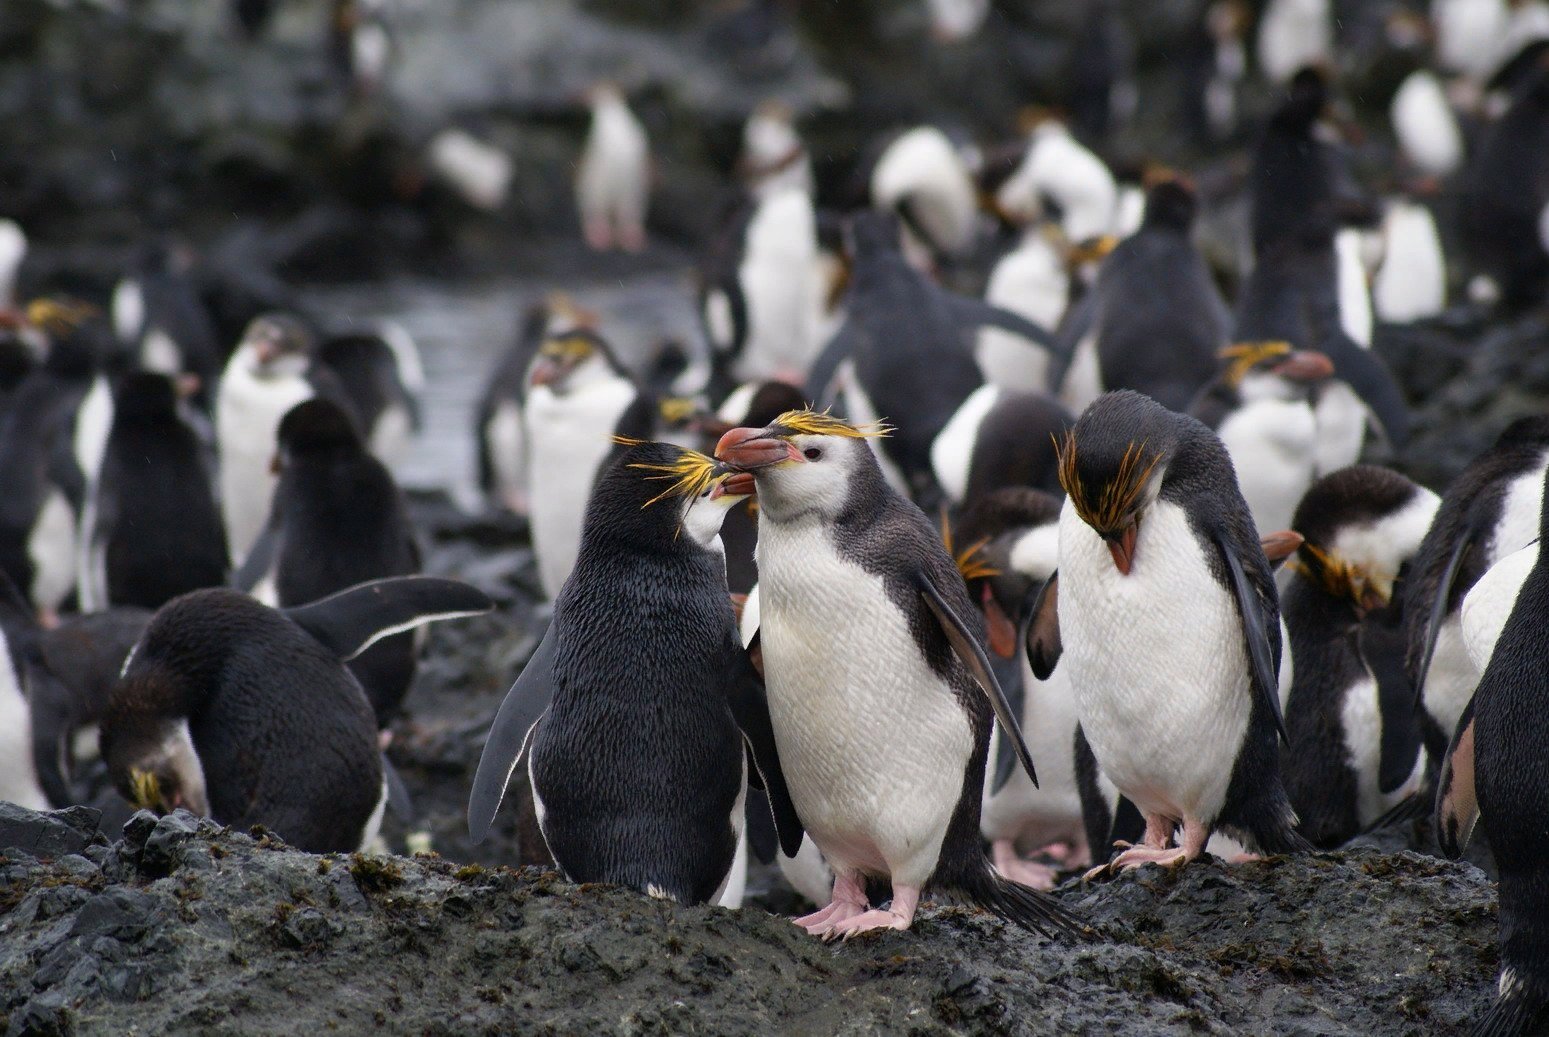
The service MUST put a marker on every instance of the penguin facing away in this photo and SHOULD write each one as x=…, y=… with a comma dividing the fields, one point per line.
x=247, y=714
x=883, y=750
x=1354, y=750
x=1184, y=723
x=1496, y=773
x=644, y=642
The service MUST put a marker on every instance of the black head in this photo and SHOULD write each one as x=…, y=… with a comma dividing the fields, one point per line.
x=1000, y=569
x=659, y=497
x=873, y=233
x=1531, y=431
x=318, y=426
x=1359, y=526
x=1112, y=464
x=571, y=359
x=1306, y=99
x=1171, y=204
x=145, y=396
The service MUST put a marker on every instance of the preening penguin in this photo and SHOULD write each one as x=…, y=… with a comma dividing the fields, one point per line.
x=1179, y=704
x=1497, y=773
x=999, y=438
x=1354, y=749
x=380, y=373
x=640, y=709
x=880, y=693
x=1058, y=167
x=921, y=177
x=578, y=398
x=248, y=715
x=613, y=176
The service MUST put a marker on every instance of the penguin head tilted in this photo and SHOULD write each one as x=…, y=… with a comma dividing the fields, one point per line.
x=805, y=463
x=277, y=345
x=144, y=732
x=1306, y=101
x=1359, y=526
x=571, y=360
x=1006, y=544
x=661, y=496
x=1273, y=370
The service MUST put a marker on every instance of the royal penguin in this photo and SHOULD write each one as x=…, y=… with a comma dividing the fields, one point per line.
x=906, y=343
x=773, y=156
x=1496, y=773
x=644, y=641
x=1424, y=125
x=1292, y=35
x=1032, y=281
x=271, y=371
x=248, y=715
x=161, y=321
x=1260, y=406
x=1060, y=169
x=880, y=693
x=480, y=172
x=150, y=529
x=1411, y=282
x=999, y=438
x=1468, y=34
x=1489, y=512
x=921, y=177
x=1354, y=750
x=579, y=397
x=381, y=374
x=360, y=44
x=613, y=174
x=1180, y=706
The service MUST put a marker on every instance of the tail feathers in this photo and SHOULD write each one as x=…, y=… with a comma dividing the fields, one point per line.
x=1270, y=828
x=1024, y=906
x=1515, y=1009
x=1279, y=838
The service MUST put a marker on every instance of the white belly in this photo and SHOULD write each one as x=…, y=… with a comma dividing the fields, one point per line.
x=569, y=437
x=951, y=452
x=1158, y=664
x=247, y=416
x=1031, y=282
x=1453, y=675
x=873, y=743
x=18, y=774
x=1084, y=377
x=1490, y=601
x=1341, y=418
x=1361, y=721
x=53, y=552
x=1272, y=444
x=508, y=454
x=1053, y=809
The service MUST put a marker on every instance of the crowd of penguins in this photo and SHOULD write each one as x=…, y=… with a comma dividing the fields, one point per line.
x=828, y=589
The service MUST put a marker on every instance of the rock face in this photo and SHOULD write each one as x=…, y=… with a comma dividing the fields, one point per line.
x=180, y=926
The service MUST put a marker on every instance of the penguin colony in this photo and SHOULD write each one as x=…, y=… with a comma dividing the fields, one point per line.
x=913, y=592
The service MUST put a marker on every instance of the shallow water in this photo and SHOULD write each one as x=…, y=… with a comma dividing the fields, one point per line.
x=463, y=327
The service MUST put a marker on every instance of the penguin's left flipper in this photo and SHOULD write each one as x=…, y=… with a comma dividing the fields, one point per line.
x=519, y=713
x=1438, y=615
x=1457, y=804
x=1008, y=670
x=976, y=313
x=971, y=654
x=1256, y=626
x=354, y=619
x=1382, y=645
x=1373, y=382
x=750, y=709
x=1042, y=636
x=259, y=561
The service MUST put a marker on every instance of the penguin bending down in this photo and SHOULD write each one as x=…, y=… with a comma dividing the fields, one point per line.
x=338, y=519
x=883, y=749
x=578, y=398
x=921, y=177
x=1354, y=748
x=1490, y=511
x=613, y=175
x=1056, y=166
x=1261, y=407
x=151, y=527
x=643, y=644
x=1497, y=772
x=380, y=372
x=999, y=438
x=248, y=715
x=1184, y=724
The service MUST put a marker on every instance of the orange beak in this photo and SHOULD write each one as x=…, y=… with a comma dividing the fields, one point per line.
x=1122, y=546
x=547, y=372
x=1306, y=365
x=748, y=449
x=738, y=484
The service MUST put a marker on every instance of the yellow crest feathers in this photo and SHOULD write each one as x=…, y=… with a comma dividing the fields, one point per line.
x=970, y=563
x=814, y=423
x=1243, y=357
x=690, y=474
x=145, y=790
x=57, y=316
x=1116, y=499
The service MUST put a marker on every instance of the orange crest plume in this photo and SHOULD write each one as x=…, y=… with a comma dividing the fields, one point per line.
x=1115, y=499
x=813, y=423
x=1337, y=577
x=1245, y=356
x=970, y=563
x=691, y=474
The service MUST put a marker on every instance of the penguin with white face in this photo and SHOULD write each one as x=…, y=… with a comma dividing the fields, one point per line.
x=883, y=748
x=248, y=715
x=643, y=641
x=773, y=156
x=1489, y=512
x=1261, y=407
x=1179, y=704
x=1059, y=167
x=1496, y=772
x=1411, y=283
x=922, y=177
x=579, y=398
x=613, y=176
x=1294, y=34
x=1355, y=740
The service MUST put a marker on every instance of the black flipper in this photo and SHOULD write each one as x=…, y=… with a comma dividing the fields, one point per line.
x=50, y=735
x=1008, y=672
x=354, y=619
x=1367, y=374
x=971, y=653
x=397, y=792
x=1438, y=615
x=750, y=708
x=1382, y=646
x=1255, y=626
x=1457, y=803
x=821, y=375
x=259, y=561
x=763, y=838
x=520, y=711
x=1080, y=318
x=1042, y=638
x=976, y=313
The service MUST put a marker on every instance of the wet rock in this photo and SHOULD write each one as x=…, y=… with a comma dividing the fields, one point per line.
x=51, y=834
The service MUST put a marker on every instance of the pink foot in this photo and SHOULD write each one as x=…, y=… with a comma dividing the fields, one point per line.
x=897, y=916
x=1135, y=856
x=1245, y=858
x=1029, y=873
x=48, y=618
x=1060, y=853
x=599, y=234
x=848, y=900
x=1155, y=850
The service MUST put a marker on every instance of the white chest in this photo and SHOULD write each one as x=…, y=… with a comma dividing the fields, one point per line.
x=247, y=416
x=1272, y=444
x=18, y=775
x=1361, y=721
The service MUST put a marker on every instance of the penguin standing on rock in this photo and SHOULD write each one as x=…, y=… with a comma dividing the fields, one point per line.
x=1179, y=704
x=151, y=526
x=883, y=748
x=1497, y=772
x=613, y=176
x=248, y=715
x=643, y=644
x=1354, y=737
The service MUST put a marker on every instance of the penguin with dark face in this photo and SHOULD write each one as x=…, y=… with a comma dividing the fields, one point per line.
x=1496, y=773
x=248, y=714
x=1354, y=737
x=1187, y=732
x=153, y=531
x=639, y=709
x=380, y=372
x=338, y=519
x=160, y=319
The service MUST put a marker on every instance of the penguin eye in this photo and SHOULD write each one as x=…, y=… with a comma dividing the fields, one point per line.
x=812, y=453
